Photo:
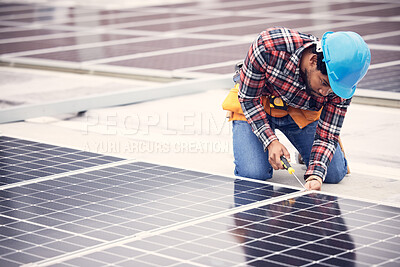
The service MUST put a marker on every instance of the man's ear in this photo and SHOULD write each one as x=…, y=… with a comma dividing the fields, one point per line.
x=313, y=60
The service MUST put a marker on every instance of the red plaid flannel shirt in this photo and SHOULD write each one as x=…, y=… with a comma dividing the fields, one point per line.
x=272, y=67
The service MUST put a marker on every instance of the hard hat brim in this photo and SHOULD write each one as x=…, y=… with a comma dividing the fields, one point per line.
x=337, y=87
x=341, y=91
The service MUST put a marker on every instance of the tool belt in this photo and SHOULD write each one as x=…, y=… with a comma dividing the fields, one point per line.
x=274, y=106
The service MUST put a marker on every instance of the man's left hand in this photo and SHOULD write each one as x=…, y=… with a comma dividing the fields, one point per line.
x=313, y=183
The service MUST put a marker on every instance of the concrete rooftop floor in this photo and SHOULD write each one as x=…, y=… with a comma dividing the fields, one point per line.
x=153, y=43
x=191, y=132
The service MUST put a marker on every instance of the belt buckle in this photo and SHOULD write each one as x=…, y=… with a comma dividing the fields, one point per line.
x=277, y=103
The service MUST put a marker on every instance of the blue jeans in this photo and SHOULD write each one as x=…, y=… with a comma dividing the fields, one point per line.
x=251, y=161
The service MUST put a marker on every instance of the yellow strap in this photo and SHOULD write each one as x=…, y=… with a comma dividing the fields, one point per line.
x=301, y=117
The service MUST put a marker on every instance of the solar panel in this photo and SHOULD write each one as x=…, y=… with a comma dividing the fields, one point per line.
x=331, y=7
x=389, y=11
x=23, y=242
x=129, y=48
x=51, y=41
x=308, y=230
x=177, y=60
x=115, y=203
x=17, y=9
x=365, y=28
x=374, y=79
x=384, y=56
x=149, y=214
x=22, y=160
x=143, y=214
x=392, y=39
x=17, y=32
x=187, y=33
x=193, y=24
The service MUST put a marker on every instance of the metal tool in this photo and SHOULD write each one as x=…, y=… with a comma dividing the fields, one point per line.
x=290, y=170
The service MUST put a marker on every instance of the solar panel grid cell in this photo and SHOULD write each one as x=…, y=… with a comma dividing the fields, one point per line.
x=23, y=11
x=189, y=18
x=389, y=76
x=193, y=24
x=106, y=204
x=121, y=22
x=127, y=49
x=67, y=43
x=178, y=60
x=331, y=7
x=92, y=191
x=75, y=212
x=391, y=40
x=204, y=235
x=255, y=5
x=207, y=243
x=50, y=16
x=25, y=242
x=23, y=160
x=16, y=32
x=43, y=18
x=369, y=28
x=14, y=6
x=386, y=12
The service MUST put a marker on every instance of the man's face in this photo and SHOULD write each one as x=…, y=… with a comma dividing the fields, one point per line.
x=317, y=84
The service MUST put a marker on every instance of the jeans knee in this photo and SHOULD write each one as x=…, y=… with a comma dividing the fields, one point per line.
x=251, y=161
x=336, y=172
x=253, y=173
x=337, y=169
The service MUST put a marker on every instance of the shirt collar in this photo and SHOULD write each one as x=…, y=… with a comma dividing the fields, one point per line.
x=295, y=57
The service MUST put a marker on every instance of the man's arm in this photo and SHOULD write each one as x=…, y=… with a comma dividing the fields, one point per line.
x=326, y=138
x=253, y=79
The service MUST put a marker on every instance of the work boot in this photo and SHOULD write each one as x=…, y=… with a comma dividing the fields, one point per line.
x=299, y=159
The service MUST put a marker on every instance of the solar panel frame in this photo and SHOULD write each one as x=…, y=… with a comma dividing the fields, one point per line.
x=335, y=16
x=18, y=238
x=25, y=202
x=214, y=242
x=119, y=50
x=23, y=160
x=99, y=207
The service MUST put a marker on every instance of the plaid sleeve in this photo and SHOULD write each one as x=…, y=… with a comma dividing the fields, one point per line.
x=326, y=137
x=253, y=80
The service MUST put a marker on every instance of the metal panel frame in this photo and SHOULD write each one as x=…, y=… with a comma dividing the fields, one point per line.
x=114, y=99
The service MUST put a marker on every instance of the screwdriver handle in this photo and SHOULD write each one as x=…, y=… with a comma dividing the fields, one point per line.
x=287, y=165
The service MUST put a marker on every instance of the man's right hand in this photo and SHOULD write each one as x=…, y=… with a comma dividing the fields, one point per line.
x=275, y=151
x=313, y=183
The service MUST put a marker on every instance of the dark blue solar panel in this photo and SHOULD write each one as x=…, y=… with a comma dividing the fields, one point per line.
x=310, y=230
x=188, y=28
x=22, y=160
x=190, y=218
x=119, y=202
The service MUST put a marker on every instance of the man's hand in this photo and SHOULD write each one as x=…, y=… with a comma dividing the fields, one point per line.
x=275, y=151
x=313, y=182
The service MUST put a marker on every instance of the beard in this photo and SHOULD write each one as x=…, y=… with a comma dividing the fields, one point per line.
x=306, y=79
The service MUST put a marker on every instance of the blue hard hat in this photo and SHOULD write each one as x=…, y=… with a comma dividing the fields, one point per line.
x=347, y=58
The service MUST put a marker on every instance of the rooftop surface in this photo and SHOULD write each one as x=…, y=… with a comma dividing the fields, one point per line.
x=369, y=133
x=192, y=132
x=58, y=57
